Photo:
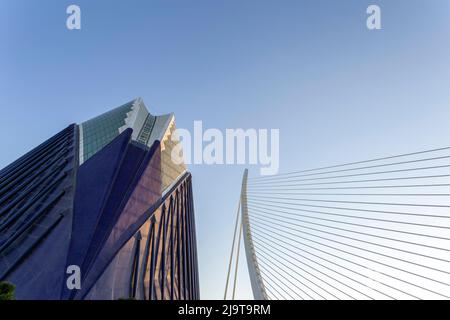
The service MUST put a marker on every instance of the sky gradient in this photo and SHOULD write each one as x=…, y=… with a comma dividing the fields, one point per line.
x=337, y=91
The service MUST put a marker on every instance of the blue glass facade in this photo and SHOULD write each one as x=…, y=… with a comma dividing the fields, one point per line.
x=98, y=132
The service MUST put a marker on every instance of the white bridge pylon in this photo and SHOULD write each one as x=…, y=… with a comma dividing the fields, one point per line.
x=243, y=225
x=364, y=230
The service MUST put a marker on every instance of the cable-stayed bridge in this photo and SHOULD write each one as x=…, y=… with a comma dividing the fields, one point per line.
x=373, y=229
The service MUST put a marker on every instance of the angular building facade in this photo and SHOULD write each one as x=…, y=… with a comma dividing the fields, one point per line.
x=100, y=211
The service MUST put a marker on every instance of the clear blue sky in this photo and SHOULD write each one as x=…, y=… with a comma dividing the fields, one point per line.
x=336, y=91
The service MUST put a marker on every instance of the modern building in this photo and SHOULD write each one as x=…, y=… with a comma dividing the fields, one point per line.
x=100, y=211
